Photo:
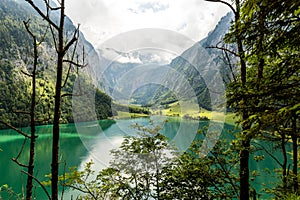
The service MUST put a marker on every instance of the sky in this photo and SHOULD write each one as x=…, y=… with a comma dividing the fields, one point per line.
x=101, y=20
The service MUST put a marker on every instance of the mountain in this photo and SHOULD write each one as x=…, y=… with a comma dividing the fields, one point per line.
x=16, y=60
x=203, y=68
x=198, y=74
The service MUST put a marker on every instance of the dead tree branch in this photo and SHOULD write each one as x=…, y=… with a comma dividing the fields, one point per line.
x=42, y=14
x=224, y=49
x=43, y=187
x=15, y=129
x=224, y=2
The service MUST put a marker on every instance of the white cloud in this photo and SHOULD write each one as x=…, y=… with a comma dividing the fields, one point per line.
x=103, y=19
x=149, y=6
x=129, y=59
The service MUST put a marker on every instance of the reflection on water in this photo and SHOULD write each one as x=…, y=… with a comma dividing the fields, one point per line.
x=79, y=144
x=11, y=173
x=179, y=132
x=84, y=142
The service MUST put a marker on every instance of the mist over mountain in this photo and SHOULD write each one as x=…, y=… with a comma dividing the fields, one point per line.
x=198, y=72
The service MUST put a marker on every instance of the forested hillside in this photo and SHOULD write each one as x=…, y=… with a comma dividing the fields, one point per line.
x=16, y=62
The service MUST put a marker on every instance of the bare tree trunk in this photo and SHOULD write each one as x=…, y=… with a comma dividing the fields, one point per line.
x=245, y=143
x=244, y=153
x=295, y=154
x=29, y=185
x=260, y=46
x=30, y=170
x=57, y=106
x=244, y=170
x=61, y=49
x=284, y=164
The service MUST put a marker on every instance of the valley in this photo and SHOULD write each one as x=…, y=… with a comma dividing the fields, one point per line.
x=149, y=113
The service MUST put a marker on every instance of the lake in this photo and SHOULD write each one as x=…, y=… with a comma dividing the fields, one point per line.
x=84, y=142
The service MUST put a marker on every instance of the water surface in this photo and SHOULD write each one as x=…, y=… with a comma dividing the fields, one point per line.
x=86, y=142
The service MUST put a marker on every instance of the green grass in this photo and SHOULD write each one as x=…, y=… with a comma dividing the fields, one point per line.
x=175, y=109
x=182, y=109
x=127, y=115
x=231, y=118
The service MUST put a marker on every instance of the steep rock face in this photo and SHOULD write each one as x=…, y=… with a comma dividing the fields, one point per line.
x=16, y=57
x=203, y=68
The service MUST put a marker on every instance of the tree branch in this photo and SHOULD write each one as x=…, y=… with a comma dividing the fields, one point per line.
x=224, y=49
x=50, y=7
x=71, y=95
x=42, y=14
x=18, y=163
x=71, y=42
x=71, y=62
x=19, y=154
x=74, y=63
x=77, y=188
x=25, y=73
x=272, y=156
x=224, y=2
x=22, y=112
x=43, y=36
x=43, y=187
x=15, y=129
x=230, y=66
x=22, y=148
x=54, y=39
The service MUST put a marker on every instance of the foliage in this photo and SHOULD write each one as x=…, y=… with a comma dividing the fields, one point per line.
x=147, y=167
x=8, y=192
x=134, y=173
x=291, y=197
x=130, y=109
x=268, y=96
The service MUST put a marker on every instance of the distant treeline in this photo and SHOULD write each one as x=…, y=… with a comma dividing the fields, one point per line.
x=130, y=109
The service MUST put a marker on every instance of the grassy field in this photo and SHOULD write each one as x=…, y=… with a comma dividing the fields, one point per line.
x=175, y=109
x=184, y=110
x=126, y=115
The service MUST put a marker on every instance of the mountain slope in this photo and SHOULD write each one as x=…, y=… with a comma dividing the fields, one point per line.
x=16, y=58
x=198, y=73
x=203, y=68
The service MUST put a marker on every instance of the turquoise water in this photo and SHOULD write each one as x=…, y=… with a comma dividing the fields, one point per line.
x=83, y=142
